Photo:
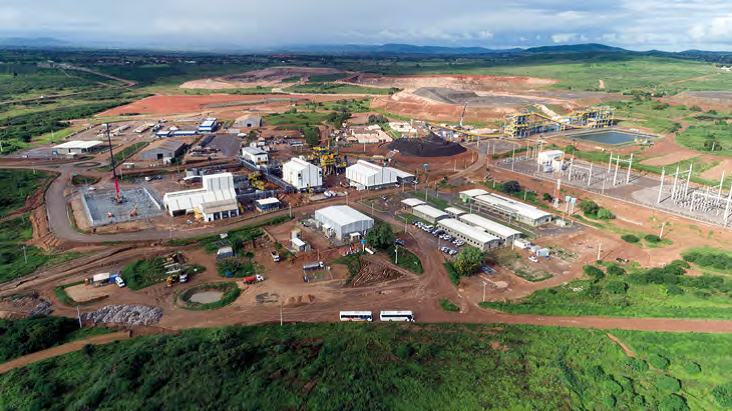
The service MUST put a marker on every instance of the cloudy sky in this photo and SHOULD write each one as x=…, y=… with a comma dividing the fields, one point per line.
x=258, y=24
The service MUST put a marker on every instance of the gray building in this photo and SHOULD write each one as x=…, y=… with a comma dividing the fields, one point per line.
x=342, y=222
x=248, y=121
x=163, y=150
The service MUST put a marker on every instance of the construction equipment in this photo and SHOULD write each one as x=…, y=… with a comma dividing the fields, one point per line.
x=133, y=211
x=117, y=197
x=528, y=123
x=256, y=181
x=381, y=160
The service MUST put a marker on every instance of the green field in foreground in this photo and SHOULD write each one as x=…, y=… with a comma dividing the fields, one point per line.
x=16, y=186
x=657, y=292
x=382, y=367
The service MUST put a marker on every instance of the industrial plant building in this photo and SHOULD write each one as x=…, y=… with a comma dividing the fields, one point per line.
x=369, y=176
x=471, y=235
x=522, y=212
x=216, y=200
x=343, y=222
x=77, y=147
x=428, y=213
x=506, y=234
x=302, y=174
x=254, y=155
x=164, y=150
x=209, y=125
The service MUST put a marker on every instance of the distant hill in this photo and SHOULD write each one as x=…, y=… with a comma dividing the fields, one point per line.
x=577, y=48
x=394, y=49
x=36, y=42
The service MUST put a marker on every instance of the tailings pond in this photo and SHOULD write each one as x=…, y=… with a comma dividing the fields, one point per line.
x=608, y=137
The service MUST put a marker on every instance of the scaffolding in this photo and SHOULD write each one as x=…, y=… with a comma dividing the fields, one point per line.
x=527, y=123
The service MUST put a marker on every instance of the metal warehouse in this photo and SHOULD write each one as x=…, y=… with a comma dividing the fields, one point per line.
x=370, y=176
x=248, y=121
x=520, y=211
x=209, y=125
x=77, y=147
x=217, y=210
x=412, y=202
x=491, y=227
x=163, y=150
x=216, y=189
x=342, y=221
x=302, y=174
x=471, y=235
x=429, y=213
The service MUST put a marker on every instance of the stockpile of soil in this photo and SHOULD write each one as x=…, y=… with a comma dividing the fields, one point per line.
x=430, y=146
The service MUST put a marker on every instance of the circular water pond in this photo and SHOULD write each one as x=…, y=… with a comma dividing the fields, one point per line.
x=206, y=297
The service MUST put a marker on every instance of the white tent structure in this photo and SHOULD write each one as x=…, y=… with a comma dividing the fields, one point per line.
x=302, y=174
x=342, y=221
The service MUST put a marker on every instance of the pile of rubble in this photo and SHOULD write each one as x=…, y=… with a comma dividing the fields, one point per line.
x=42, y=308
x=125, y=314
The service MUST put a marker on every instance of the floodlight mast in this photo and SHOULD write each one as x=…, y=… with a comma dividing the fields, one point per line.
x=114, y=169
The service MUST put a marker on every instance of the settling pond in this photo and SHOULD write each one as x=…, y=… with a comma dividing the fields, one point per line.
x=609, y=137
x=207, y=297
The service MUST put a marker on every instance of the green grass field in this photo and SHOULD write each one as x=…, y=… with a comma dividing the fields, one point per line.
x=300, y=118
x=642, y=293
x=17, y=185
x=381, y=367
x=12, y=256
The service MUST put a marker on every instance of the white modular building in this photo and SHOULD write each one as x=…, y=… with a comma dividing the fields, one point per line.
x=342, y=221
x=370, y=176
x=506, y=234
x=216, y=199
x=471, y=235
x=546, y=157
x=302, y=174
x=254, y=155
x=522, y=212
x=429, y=213
x=454, y=212
x=467, y=195
x=77, y=147
x=413, y=202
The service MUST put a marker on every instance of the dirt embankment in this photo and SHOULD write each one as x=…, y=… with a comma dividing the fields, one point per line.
x=269, y=77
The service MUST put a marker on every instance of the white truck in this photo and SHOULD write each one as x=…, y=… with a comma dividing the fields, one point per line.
x=275, y=256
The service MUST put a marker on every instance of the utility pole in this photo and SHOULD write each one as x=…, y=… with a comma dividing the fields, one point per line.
x=291, y=208
x=662, y=227
x=484, y=284
x=396, y=255
x=78, y=315
x=25, y=256
x=513, y=157
x=660, y=189
x=599, y=249
x=281, y=313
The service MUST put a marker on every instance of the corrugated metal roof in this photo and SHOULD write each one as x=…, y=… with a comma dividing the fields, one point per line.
x=169, y=145
x=78, y=144
x=474, y=193
x=413, y=202
x=343, y=215
x=467, y=230
x=430, y=211
x=455, y=211
x=267, y=201
x=489, y=225
x=517, y=206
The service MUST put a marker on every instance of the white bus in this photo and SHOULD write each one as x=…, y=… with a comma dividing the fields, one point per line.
x=356, y=316
x=397, y=316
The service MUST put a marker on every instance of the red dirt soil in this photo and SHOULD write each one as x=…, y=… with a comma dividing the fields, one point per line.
x=178, y=104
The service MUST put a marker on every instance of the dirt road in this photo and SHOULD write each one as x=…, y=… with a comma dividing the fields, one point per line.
x=62, y=349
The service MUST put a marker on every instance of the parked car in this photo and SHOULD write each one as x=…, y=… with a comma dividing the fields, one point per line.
x=120, y=282
x=534, y=259
x=399, y=241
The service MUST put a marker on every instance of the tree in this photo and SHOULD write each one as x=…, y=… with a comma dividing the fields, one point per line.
x=548, y=197
x=589, y=207
x=380, y=236
x=630, y=238
x=605, y=214
x=673, y=402
x=312, y=135
x=593, y=272
x=712, y=144
x=468, y=260
x=512, y=186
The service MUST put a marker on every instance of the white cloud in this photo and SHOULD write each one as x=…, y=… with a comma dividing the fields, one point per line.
x=563, y=37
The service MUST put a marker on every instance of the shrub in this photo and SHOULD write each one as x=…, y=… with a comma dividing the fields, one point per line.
x=674, y=290
x=630, y=238
x=593, y=272
x=690, y=367
x=454, y=276
x=403, y=351
x=680, y=263
x=615, y=270
x=652, y=238
x=723, y=394
x=605, y=214
x=667, y=383
x=659, y=362
x=609, y=401
x=448, y=306
x=589, y=207
x=673, y=402
x=616, y=287
x=635, y=364
x=547, y=197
